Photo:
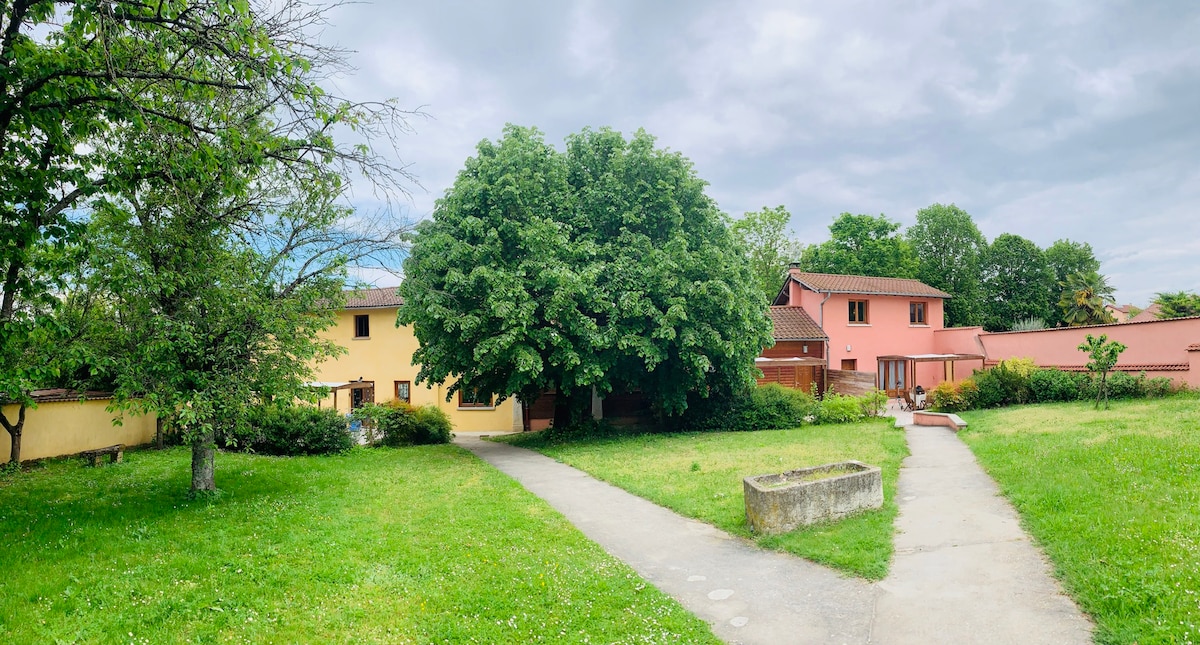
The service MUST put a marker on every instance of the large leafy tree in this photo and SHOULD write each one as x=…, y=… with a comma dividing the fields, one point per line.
x=1066, y=258
x=192, y=126
x=1177, y=304
x=948, y=247
x=862, y=245
x=1084, y=296
x=1016, y=282
x=603, y=267
x=765, y=241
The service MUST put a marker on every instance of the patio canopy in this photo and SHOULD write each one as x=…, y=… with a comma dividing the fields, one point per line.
x=931, y=358
x=786, y=362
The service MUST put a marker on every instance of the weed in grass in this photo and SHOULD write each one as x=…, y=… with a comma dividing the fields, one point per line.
x=652, y=466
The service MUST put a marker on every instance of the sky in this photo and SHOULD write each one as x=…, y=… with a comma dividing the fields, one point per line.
x=1049, y=120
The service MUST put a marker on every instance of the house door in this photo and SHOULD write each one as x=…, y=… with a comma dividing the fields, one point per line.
x=893, y=377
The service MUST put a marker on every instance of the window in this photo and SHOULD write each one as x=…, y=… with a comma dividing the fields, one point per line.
x=362, y=326
x=361, y=395
x=850, y=364
x=469, y=398
x=916, y=313
x=858, y=312
x=403, y=391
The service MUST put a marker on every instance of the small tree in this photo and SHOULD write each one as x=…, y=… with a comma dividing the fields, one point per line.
x=1103, y=354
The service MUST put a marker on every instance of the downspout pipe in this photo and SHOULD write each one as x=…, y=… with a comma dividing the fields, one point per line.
x=821, y=324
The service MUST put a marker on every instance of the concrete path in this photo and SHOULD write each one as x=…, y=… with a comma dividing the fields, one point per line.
x=964, y=572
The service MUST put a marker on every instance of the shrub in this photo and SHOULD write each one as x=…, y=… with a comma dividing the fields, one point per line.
x=839, y=408
x=774, y=407
x=400, y=424
x=954, y=397
x=431, y=425
x=296, y=430
x=1122, y=385
x=1007, y=383
x=1054, y=385
x=1159, y=386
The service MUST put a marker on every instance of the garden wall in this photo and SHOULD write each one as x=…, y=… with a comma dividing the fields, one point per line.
x=65, y=425
x=1169, y=348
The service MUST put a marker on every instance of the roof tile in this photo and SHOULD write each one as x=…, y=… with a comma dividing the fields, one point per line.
x=794, y=323
x=866, y=285
x=373, y=298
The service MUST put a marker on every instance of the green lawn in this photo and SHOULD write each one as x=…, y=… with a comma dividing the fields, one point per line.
x=419, y=545
x=700, y=476
x=1114, y=499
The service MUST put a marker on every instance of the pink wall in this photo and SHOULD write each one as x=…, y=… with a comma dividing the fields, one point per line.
x=1149, y=343
x=886, y=333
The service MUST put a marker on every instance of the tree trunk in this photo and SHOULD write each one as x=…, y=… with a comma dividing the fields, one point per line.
x=158, y=432
x=14, y=432
x=571, y=408
x=204, y=449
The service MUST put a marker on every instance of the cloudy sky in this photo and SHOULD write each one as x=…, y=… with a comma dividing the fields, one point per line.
x=1050, y=120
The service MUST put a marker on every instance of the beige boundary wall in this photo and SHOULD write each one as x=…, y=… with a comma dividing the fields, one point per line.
x=57, y=428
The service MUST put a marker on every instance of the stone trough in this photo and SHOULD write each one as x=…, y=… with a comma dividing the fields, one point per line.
x=781, y=502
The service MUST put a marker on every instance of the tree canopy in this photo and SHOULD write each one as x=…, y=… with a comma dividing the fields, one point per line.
x=764, y=238
x=1083, y=300
x=604, y=266
x=1067, y=258
x=186, y=146
x=948, y=248
x=1016, y=282
x=1177, y=304
x=862, y=245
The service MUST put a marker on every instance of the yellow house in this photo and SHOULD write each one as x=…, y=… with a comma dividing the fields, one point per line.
x=378, y=367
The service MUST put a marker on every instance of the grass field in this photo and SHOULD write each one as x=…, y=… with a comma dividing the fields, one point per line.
x=1114, y=499
x=700, y=476
x=420, y=545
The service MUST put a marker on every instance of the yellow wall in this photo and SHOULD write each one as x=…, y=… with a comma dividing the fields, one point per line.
x=58, y=428
x=386, y=357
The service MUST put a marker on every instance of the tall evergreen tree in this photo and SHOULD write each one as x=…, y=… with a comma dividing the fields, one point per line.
x=948, y=247
x=1016, y=282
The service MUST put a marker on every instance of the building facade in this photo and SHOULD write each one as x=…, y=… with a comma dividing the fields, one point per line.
x=378, y=367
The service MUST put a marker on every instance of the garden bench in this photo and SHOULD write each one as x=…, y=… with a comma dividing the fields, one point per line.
x=114, y=453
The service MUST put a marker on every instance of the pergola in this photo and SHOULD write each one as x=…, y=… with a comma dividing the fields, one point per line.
x=335, y=386
x=911, y=361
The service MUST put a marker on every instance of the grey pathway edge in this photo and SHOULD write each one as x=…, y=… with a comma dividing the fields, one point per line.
x=964, y=571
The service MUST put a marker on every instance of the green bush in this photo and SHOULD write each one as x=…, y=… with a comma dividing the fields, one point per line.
x=400, y=424
x=296, y=430
x=1122, y=385
x=774, y=407
x=840, y=408
x=1159, y=386
x=431, y=425
x=954, y=397
x=1048, y=385
x=1007, y=383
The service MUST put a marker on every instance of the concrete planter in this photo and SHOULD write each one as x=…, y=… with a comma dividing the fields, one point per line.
x=778, y=503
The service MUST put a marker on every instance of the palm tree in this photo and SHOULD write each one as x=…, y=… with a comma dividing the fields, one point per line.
x=1083, y=298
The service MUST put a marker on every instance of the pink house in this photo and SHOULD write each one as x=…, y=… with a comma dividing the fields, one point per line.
x=889, y=328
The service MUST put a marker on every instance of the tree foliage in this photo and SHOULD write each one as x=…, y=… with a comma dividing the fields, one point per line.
x=199, y=134
x=948, y=249
x=764, y=239
x=862, y=245
x=604, y=266
x=1102, y=357
x=1016, y=282
x=1066, y=258
x=1177, y=304
x=1083, y=300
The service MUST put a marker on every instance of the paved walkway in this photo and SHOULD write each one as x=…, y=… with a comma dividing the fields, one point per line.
x=963, y=572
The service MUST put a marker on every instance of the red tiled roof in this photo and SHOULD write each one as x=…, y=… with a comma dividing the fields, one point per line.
x=1194, y=347
x=63, y=394
x=866, y=285
x=1147, y=314
x=1134, y=367
x=373, y=298
x=794, y=323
